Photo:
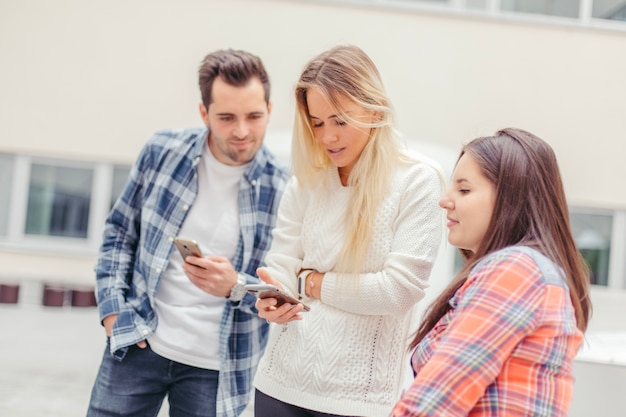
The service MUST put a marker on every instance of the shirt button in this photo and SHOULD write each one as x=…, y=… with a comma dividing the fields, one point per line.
x=158, y=270
x=145, y=332
x=171, y=239
x=185, y=207
x=253, y=182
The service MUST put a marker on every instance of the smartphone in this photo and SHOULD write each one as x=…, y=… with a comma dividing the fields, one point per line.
x=270, y=291
x=187, y=247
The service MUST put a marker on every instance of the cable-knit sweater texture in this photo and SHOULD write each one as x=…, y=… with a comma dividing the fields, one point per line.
x=347, y=356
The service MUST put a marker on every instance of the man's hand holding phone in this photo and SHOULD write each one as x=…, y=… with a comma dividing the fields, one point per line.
x=213, y=274
x=273, y=304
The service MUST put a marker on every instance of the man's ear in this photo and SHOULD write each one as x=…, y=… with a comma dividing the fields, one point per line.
x=204, y=114
x=269, y=107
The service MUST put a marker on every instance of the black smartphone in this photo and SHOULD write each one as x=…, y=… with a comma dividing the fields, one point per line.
x=187, y=247
x=270, y=291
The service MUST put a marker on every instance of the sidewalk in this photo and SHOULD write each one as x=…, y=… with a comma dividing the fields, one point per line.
x=49, y=357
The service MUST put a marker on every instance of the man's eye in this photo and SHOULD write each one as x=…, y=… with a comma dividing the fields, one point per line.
x=464, y=191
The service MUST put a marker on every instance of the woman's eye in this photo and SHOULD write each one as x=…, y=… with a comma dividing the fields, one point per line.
x=464, y=191
x=317, y=124
x=340, y=123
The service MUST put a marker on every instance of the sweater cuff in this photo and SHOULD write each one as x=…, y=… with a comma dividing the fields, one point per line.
x=327, y=291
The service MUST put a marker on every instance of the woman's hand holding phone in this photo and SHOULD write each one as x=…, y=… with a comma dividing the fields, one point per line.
x=271, y=309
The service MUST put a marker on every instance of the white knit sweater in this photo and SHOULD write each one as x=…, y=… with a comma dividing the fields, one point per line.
x=347, y=355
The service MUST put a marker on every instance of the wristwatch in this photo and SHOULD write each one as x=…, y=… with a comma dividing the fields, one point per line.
x=239, y=289
x=302, y=276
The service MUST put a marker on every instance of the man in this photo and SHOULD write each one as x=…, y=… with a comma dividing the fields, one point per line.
x=186, y=328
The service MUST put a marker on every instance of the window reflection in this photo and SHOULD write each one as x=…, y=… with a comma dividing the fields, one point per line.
x=120, y=176
x=609, y=9
x=59, y=201
x=476, y=4
x=564, y=8
x=592, y=233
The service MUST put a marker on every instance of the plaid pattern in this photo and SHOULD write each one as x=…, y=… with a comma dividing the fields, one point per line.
x=505, y=348
x=138, y=241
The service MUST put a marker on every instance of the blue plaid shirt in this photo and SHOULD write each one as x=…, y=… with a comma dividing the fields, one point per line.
x=138, y=241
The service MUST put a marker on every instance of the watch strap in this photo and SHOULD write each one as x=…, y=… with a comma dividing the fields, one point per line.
x=239, y=289
x=302, y=276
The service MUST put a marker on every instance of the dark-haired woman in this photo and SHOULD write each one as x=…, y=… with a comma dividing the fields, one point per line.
x=501, y=339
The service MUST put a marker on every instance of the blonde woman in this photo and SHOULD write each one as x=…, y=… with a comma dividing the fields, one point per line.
x=357, y=233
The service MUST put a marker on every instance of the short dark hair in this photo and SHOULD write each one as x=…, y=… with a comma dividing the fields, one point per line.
x=235, y=67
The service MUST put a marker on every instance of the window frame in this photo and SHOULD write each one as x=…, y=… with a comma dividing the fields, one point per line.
x=18, y=240
x=493, y=9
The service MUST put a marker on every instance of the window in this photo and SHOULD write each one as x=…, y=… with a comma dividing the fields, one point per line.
x=564, y=8
x=120, y=177
x=592, y=233
x=477, y=4
x=6, y=187
x=56, y=205
x=59, y=201
x=594, y=13
x=609, y=9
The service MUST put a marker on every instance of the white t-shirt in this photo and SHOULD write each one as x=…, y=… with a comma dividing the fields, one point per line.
x=189, y=318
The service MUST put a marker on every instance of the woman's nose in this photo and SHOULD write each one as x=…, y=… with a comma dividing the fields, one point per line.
x=329, y=136
x=445, y=202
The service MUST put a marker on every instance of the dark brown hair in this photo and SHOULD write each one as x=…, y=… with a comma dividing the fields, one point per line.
x=235, y=67
x=530, y=209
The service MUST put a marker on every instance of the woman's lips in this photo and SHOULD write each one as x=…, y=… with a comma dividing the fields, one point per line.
x=335, y=152
x=451, y=222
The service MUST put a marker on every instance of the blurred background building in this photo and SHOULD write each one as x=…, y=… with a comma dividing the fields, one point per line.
x=83, y=84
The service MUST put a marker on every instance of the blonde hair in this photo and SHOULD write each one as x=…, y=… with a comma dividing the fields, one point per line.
x=347, y=71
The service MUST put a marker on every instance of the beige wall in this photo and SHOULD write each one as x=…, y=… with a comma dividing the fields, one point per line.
x=85, y=78
x=93, y=79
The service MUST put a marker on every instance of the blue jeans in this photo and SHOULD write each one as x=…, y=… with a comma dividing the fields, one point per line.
x=137, y=385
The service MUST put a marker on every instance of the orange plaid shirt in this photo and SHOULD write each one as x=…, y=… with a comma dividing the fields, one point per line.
x=505, y=348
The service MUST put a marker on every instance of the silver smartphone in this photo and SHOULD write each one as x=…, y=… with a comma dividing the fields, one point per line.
x=187, y=247
x=270, y=291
